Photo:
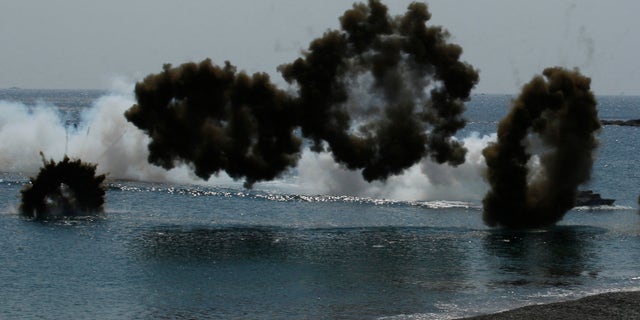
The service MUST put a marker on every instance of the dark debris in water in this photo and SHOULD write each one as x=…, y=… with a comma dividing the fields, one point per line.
x=63, y=189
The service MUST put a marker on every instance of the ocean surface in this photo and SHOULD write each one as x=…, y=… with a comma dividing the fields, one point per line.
x=319, y=243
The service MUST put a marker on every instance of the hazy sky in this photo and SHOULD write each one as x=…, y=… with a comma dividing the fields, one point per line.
x=88, y=44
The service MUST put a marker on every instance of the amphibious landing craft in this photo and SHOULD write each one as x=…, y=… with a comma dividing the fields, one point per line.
x=587, y=198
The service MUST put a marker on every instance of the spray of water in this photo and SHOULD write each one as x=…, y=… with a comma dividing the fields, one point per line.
x=318, y=173
x=219, y=119
x=104, y=137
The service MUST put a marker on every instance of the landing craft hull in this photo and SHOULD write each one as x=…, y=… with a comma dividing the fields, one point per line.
x=592, y=203
x=588, y=198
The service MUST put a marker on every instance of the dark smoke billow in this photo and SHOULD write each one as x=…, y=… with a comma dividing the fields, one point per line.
x=65, y=188
x=414, y=86
x=402, y=57
x=217, y=119
x=555, y=117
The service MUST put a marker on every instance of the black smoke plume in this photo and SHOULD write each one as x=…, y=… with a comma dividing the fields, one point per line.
x=403, y=58
x=555, y=118
x=65, y=188
x=217, y=119
x=380, y=94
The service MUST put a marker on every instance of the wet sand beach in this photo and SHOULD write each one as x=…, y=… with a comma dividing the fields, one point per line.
x=614, y=305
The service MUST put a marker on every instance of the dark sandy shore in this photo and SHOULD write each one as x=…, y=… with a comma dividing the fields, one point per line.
x=615, y=305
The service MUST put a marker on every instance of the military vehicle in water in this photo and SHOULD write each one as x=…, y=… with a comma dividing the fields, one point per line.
x=588, y=198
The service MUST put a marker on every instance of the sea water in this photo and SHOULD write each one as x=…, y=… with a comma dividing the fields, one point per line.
x=316, y=244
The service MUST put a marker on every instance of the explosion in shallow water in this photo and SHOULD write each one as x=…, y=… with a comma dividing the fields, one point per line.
x=218, y=120
x=65, y=188
x=554, y=118
x=401, y=58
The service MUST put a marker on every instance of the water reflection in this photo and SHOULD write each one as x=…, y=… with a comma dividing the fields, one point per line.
x=210, y=244
x=332, y=273
x=557, y=256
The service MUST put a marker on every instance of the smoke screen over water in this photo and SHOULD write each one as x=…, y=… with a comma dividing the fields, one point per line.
x=555, y=118
x=380, y=95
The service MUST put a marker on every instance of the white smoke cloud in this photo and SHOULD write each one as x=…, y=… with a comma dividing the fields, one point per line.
x=103, y=137
x=24, y=132
x=106, y=138
x=427, y=180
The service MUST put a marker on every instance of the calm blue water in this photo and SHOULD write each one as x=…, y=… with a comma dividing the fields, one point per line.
x=181, y=251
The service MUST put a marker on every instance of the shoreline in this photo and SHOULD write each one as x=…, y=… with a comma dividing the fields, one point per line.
x=611, y=305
